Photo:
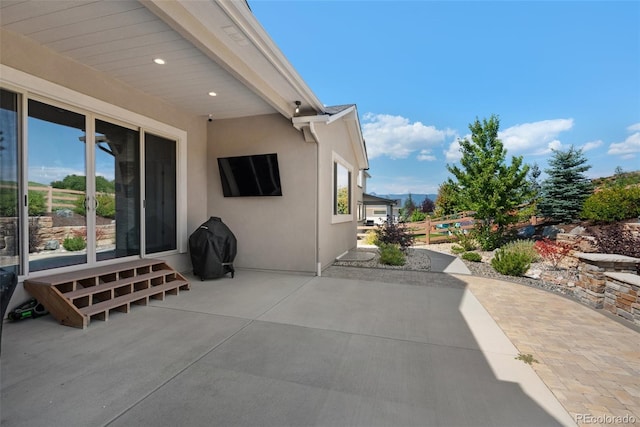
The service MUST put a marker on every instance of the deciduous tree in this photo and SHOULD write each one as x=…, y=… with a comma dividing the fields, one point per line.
x=486, y=184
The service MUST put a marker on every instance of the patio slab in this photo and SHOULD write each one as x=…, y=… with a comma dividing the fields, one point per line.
x=275, y=349
x=282, y=375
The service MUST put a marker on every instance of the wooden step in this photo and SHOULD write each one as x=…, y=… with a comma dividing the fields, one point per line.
x=75, y=298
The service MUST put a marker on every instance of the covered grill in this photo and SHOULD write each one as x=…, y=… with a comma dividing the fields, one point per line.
x=212, y=248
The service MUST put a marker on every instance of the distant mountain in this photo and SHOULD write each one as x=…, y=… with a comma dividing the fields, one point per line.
x=417, y=198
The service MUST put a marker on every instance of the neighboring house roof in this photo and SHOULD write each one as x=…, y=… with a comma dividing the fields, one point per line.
x=370, y=199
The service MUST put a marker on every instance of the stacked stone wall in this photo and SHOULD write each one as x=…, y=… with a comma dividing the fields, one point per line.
x=610, y=282
x=622, y=295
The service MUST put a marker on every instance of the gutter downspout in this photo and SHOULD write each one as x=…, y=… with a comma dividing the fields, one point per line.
x=312, y=129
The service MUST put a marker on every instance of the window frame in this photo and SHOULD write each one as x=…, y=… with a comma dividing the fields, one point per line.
x=29, y=86
x=336, y=218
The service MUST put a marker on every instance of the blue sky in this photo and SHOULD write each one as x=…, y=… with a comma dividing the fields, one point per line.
x=556, y=73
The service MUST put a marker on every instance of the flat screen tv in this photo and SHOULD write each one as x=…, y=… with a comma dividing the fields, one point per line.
x=250, y=176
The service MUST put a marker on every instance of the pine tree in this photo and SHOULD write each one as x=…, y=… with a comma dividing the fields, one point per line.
x=486, y=184
x=566, y=188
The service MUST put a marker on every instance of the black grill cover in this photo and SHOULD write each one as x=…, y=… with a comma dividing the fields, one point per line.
x=213, y=248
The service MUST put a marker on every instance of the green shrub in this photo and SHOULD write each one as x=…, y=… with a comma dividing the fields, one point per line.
x=37, y=205
x=371, y=238
x=612, y=204
x=106, y=205
x=9, y=203
x=456, y=249
x=390, y=254
x=75, y=243
x=465, y=240
x=528, y=247
x=515, y=258
x=488, y=238
x=472, y=256
x=417, y=216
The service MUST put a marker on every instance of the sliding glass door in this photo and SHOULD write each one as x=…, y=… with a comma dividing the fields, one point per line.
x=57, y=184
x=117, y=187
x=72, y=186
x=160, y=194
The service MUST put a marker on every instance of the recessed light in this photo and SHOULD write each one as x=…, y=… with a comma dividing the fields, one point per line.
x=213, y=94
x=159, y=61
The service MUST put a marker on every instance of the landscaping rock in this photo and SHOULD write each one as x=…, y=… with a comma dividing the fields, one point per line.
x=51, y=245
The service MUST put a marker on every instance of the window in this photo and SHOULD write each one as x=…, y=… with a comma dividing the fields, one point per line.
x=341, y=188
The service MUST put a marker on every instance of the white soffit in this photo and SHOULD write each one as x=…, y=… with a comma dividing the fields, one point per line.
x=122, y=38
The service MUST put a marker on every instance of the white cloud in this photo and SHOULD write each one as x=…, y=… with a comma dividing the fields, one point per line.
x=630, y=146
x=425, y=155
x=397, y=138
x=453, y=154
x=536, y=138
x=591, y=145
x=634, y=127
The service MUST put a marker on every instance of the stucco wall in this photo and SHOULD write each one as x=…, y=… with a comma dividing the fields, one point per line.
x=274, y=233
x=24, y=55
x=335, y=238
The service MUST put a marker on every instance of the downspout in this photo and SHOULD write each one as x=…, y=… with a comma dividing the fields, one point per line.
x=312, y=129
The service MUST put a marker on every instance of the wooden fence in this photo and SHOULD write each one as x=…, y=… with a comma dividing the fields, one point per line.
x=433, y=230
x=58, y=198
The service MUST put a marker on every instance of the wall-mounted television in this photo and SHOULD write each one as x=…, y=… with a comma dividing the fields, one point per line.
x=250, y=176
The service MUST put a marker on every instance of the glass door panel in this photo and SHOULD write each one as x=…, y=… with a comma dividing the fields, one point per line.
x=57, y=187
x=117, y=182
x=160, y=194
x=9, y=187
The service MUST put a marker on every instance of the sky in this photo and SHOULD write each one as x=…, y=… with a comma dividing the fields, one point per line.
x=556, y=73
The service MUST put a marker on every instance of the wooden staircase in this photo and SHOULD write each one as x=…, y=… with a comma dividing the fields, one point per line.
x=77, y=297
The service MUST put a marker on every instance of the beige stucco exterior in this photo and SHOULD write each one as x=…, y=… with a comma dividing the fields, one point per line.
x=294, y=232
x=274, y=233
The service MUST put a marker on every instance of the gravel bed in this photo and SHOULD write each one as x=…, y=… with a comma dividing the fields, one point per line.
x=418, y=260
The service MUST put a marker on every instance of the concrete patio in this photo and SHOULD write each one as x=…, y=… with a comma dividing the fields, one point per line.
x=279, y=350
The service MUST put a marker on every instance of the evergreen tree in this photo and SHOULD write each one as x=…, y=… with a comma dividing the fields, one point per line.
x=566, y=188
x=408, y=208
x=487, y=185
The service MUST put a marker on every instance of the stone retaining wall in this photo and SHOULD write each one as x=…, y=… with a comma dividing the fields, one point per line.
x=622, y=295
x=610, y=282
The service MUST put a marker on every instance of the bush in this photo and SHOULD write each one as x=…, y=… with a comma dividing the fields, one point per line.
x=472, y=256
x=371, y=238
x=8, y=204
x=456, y=249
x=487, y=238
x=417, y=216
x=612, y=204
x=465, y=240
x=396, y=234
x=552, y=251
x=75, y=243
x=106, y=205
x=37, y=205
x=514, y=259
x=391, y=254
